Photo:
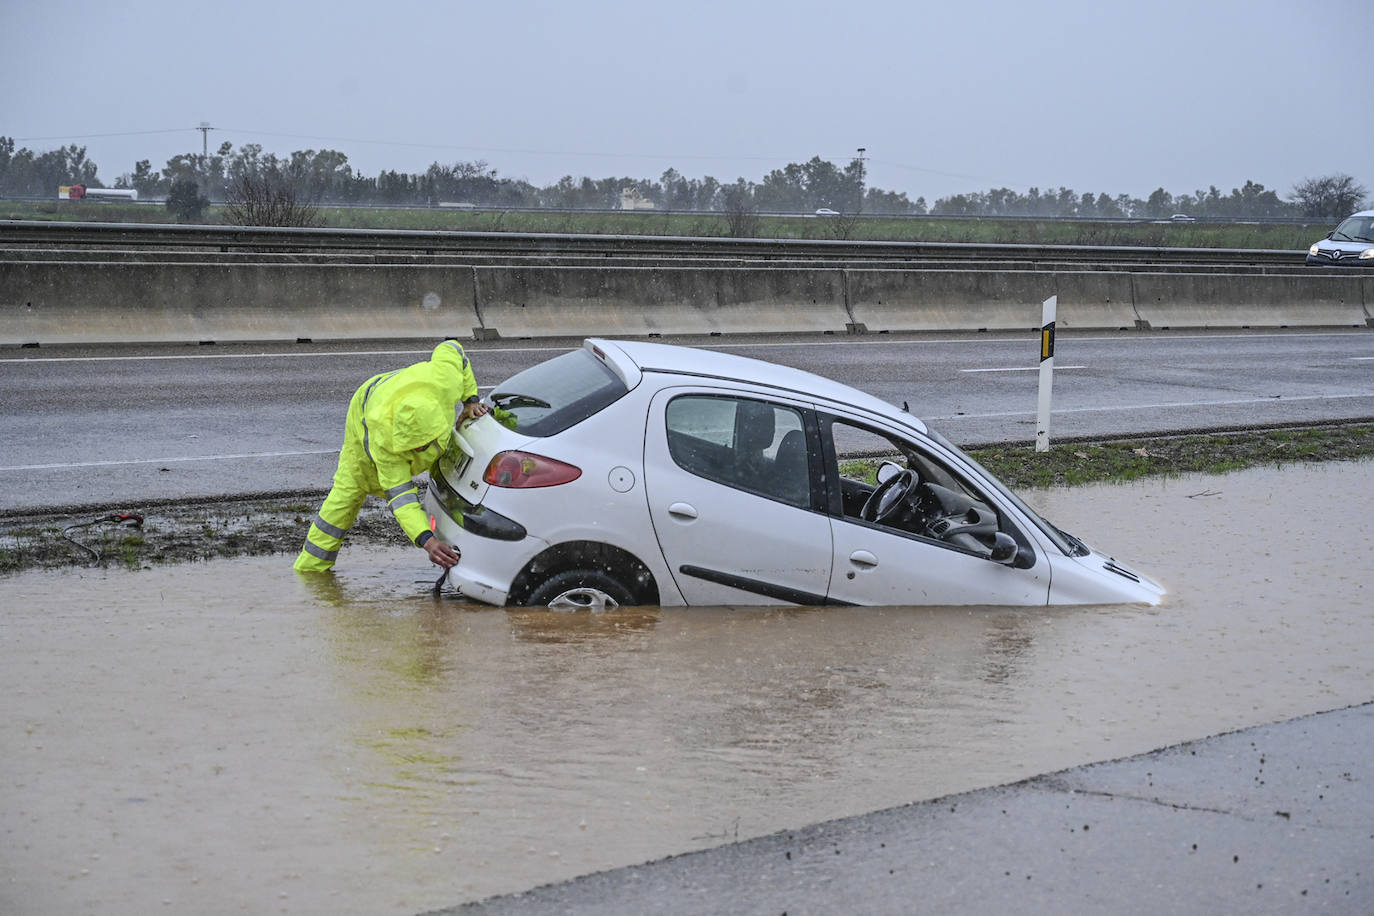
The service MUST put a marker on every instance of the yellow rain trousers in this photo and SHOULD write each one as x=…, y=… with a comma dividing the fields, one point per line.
x=398, y=424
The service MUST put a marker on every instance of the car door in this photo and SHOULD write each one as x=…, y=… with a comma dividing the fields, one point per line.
x=735, y=498
x=898, y=561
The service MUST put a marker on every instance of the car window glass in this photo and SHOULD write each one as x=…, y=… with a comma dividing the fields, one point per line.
x=746, y=444
x=921, y=501
x=554, y=395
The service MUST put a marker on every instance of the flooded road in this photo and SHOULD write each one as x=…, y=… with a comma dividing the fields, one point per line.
x=225, y=738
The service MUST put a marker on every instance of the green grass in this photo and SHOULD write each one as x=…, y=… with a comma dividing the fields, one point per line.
x=1070, y=464
x=1287, y=237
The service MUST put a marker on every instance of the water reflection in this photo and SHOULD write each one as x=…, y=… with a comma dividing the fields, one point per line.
x=353, y=742
x=559, y=627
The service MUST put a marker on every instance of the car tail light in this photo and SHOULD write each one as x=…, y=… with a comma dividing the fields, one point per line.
x=523, y=469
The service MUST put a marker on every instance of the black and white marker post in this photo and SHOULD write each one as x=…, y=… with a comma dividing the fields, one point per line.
x=1042, y=426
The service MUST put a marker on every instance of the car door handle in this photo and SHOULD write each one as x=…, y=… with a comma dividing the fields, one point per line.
x=863, y=559
x=682, y=511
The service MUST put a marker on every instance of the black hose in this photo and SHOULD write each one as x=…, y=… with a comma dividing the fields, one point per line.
x=118, y=518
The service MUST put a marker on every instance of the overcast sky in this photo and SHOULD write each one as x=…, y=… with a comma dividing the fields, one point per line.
x=945, y=97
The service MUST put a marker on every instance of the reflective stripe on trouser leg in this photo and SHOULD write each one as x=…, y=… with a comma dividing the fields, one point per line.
x=326, y=533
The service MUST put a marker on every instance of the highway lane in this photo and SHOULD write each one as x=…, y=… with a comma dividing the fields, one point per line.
x=124, y=426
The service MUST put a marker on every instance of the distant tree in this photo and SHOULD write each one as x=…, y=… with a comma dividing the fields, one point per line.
x=144, y=180
x=1331, y=196
x=809, y=186
x=1159, y=204
x=741, y=212
x=185, y=202
x=24, y=173
x=270, y=199
x=207, y=172
x=878, y=201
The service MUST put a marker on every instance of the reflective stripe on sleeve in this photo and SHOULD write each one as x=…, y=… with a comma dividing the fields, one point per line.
x=399, y=489
x=331, y=530
x=317, y=551
x=404, y=500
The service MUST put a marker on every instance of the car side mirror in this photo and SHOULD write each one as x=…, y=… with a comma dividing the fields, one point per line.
x=1004, y=549
x=888, y=470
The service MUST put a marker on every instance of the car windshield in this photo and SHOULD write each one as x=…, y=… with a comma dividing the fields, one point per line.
x=1355, y=229
x=552, y=396
x=1070, y=545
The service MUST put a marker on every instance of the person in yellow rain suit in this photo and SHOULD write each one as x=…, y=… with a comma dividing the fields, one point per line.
x=398, y=424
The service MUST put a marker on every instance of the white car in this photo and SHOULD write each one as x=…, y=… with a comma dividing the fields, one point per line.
x=628, y=473
x=1351, y=244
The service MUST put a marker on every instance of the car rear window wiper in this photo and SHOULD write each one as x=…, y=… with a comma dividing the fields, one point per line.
x=508, y=399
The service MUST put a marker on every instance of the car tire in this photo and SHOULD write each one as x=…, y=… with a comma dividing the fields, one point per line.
x=576, y=584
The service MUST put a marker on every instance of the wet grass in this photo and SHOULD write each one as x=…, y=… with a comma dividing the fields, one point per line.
x=254, y=528
x=1073, y=464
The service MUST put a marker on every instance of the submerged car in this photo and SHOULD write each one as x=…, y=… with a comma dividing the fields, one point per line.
x=1351, y=244
x=627, y=473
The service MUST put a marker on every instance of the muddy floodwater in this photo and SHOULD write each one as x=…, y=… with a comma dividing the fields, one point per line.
x=224, y=737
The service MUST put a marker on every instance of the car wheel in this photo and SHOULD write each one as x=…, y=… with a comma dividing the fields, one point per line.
x=582, y=589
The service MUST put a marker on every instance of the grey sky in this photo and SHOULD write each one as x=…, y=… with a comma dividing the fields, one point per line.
x=945, y=97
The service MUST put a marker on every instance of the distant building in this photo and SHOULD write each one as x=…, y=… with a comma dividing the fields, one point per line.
x=630, y=199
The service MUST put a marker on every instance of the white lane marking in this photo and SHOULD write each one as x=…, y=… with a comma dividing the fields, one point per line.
x=103, y=464
x=1361, y=357
x=877, y=340
x=1163, y=406
x=1023, y=369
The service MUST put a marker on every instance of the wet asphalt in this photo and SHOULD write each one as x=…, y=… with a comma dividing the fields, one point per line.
x=1274, y=819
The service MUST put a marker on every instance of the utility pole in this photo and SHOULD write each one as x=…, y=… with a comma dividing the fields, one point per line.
x=860, y=208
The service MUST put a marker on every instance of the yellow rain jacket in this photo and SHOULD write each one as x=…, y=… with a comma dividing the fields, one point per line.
x=398, y=424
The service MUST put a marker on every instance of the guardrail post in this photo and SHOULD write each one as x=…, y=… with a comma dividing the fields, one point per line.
x=1042, y=426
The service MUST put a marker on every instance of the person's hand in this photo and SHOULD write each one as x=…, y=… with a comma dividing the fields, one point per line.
x=472, y=410
x=441, y=554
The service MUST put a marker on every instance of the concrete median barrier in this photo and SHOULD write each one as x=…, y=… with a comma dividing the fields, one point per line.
x=78, y=302
x=575, y=301
x=113, y=301
x=1258, y=301
x=977, y=300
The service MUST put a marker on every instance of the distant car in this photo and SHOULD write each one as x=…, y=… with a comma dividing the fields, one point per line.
x=826, y=211
x=1182, y=218
x=626, y=473
x=1351, y=244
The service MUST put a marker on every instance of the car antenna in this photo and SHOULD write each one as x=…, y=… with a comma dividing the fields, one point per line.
x=905, y=408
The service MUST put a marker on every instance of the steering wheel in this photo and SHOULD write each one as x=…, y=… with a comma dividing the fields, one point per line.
x=884, y=502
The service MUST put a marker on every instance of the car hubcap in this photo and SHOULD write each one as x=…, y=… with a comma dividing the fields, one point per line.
x=584, y=599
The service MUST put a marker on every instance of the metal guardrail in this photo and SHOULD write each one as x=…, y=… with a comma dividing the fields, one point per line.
x=151, y=237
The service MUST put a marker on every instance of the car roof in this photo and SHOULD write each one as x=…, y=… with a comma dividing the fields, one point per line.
x=1362, y=213
x=692, y=361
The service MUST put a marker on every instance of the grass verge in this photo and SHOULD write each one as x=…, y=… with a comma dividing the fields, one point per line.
x=990, y=230
x=255, y=527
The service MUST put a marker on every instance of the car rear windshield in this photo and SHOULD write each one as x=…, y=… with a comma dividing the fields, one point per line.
x=550, y=397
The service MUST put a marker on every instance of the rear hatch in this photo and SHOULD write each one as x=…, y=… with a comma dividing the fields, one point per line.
x=536, y=404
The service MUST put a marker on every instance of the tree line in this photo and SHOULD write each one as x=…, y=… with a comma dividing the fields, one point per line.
x=325, y=177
